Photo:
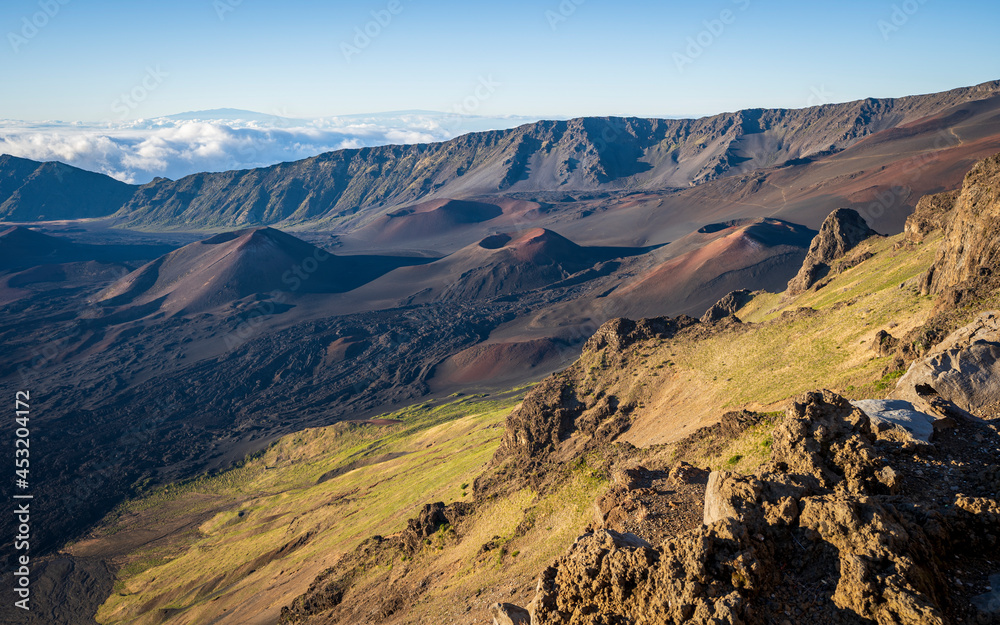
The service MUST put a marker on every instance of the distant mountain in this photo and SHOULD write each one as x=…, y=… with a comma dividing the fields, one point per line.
x=32, y=191
x=229, y=114
x=350, y=189
x=586, y=154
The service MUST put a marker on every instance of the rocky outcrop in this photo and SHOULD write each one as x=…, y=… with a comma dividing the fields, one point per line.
x=884, y=343
x=963, y=369
x=913, y=426
x=841, y=232
x=842, y=525
x=932, y=213
x=971, y=247
x=618, y=334
x=432, y=518
x=330, y=592
x=509, y=614
x=727, y=306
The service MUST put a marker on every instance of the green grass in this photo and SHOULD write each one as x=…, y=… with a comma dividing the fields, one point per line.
x=278, y=497
x=743, y=454
x=781, y=357
x=889, y=380
x=384, y=475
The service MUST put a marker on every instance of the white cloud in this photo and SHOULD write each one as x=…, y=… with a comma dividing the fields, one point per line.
x=173, y=147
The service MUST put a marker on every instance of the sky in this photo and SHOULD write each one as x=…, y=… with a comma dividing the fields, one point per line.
x=116, y=65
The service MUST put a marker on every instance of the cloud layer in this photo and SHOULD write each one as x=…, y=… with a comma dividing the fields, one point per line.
x=175, y=146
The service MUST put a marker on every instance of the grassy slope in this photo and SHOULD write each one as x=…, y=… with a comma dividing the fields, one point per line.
x=832, y=349
x=274, y=500
x=207, y=569
x=687, y=382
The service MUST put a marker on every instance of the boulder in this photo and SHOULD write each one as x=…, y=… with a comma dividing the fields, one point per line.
x=964, y=370
x=726, y=494
x=841, y=232
x=913, y=425
x=884, y=344
x=727, y=306
x=509, y=614
x=684, y=473
x=989, y=602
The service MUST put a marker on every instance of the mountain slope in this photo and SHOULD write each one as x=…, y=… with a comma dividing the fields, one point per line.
x=650, y=384
x=575, y=155
x=348, y=189
x=499, y=265
x=234, y=265
x=32, y=191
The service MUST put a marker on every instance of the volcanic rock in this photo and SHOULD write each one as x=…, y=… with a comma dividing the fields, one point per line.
x=933, y=212
x=841, y=232
x=971, y=247
x=963, y=369
x=890, y=413
x=826, y=508
x=727, y=306
x=509, y=614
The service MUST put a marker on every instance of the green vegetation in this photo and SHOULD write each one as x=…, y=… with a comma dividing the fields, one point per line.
x=744, y=454
x=297, y=505
x=889, y=380
x=788, y=352
x=288, y=513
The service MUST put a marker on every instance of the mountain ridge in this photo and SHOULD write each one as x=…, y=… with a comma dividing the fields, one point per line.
x=348, y=188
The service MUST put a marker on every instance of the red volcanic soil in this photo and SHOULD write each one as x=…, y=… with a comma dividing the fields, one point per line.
x=427, y=219
x=231, y=266
x=498, y=265
x=225, y=268
x=725, y=257
x=444, y=224
x=539, y=246
x=345, y=348
x=494, y=362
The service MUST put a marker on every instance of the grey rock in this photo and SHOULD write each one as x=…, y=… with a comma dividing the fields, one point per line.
x=989, y=602
x=509, y=614
x=725, y=488
x=964, y=369
x=895, y=412
x=727, y=306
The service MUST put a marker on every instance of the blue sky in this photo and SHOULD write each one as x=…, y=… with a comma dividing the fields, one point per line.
x=546, y=58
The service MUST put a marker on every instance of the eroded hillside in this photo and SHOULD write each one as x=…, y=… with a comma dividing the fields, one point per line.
x=619, y=448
